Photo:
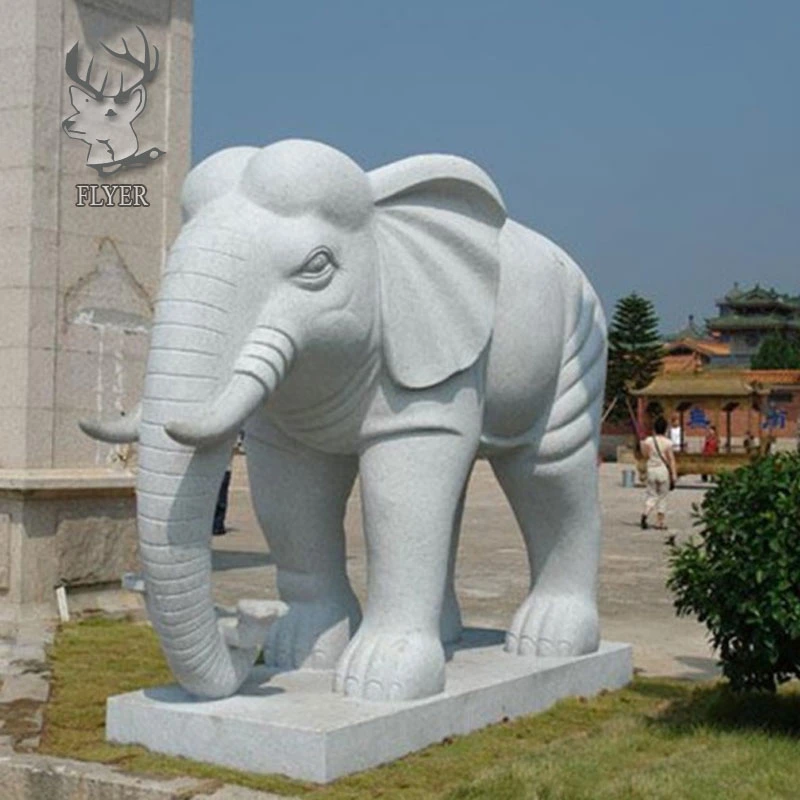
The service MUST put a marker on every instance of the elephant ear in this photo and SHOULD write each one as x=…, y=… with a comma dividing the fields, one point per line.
x=438, y=220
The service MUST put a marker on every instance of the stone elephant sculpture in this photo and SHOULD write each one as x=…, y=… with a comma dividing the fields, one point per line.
x=392, y=324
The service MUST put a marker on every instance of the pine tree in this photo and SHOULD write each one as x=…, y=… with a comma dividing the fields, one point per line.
x=776, y=352
x=634, y=351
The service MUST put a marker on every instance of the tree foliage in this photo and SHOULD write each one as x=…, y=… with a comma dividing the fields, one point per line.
x=634, y=350
x=776, y=352
x=742, y=576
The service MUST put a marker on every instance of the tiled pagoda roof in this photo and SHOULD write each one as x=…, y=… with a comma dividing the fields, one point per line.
x=759, y=296
x=711, y=383
x=706, y=347
x=774, y=377
x=691, y=331
x=730, y=322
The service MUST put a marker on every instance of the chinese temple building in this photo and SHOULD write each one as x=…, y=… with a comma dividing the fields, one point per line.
x=706, y=378
x=746, y=316
x=691, y=349
x=739, y=403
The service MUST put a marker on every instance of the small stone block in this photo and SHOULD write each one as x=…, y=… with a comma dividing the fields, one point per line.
x=28, y=686
x=29, y=745
x=291, y=723
x=134, y=582
x=29, y=652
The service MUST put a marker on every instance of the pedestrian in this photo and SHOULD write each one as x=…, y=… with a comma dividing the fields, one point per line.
x=221, y=508
x=710, y=446
x=711, y=442
x=662, y=473
x=675, y=433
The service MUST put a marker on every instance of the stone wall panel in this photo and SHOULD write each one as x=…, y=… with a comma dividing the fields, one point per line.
x=95, y=548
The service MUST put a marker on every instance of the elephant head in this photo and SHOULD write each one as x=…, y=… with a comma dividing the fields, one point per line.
x=293, y=266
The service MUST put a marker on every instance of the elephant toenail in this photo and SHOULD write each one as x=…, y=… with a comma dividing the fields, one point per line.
x=564, y=648
x=396, y=691
x=527, y=645
x=546, y=648
x=373, y=690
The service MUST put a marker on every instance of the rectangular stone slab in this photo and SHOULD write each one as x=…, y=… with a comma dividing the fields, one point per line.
x=291, y=723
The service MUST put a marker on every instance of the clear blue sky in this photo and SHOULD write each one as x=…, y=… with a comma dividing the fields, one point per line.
x=657, y=141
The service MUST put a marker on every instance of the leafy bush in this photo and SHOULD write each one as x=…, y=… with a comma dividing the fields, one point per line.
x=741, y=577
x=776, y=352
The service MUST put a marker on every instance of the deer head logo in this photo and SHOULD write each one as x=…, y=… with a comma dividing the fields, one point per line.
x=105, y=121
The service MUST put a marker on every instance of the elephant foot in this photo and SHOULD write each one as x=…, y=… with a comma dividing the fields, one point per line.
x=391, y=665
x=311, y=635
x=450, y=626
x=548, y=624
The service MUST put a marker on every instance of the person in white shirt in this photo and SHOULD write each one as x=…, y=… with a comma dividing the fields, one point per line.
x=661, y=473
x=675, y=432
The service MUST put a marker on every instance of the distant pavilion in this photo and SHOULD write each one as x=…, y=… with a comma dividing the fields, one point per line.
x=702, y=398
x=747, y=316
x=736, y=402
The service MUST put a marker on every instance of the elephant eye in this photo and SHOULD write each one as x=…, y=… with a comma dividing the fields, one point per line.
x=317, y=263
x=317, y=270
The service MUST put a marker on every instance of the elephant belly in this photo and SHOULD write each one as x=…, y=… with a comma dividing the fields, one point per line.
x=539, y=286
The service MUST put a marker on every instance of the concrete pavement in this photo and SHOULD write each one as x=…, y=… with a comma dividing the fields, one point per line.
x=635, y=607
x=491, y=578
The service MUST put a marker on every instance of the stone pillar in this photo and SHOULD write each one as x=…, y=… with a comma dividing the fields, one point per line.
x=77, y=279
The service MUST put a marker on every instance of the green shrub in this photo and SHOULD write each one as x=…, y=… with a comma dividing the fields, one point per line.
x=741, y=576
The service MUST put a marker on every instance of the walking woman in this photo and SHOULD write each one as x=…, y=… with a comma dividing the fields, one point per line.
x=661, y=473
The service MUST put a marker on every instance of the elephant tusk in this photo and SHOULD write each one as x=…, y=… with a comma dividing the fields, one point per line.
x=265, y=359
x=223, y=416
x=122, y=430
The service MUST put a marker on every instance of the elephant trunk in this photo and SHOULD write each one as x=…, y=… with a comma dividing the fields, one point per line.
x=178, y=484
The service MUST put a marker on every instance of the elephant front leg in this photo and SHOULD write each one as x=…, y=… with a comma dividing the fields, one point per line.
x=450, y=625
x=410, y=493
x=300, y=497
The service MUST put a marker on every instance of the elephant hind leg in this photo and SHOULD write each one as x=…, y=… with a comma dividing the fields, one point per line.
x=300, y=498
x=552, y=485
x=556, y=506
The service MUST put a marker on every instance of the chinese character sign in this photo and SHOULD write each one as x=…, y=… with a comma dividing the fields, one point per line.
x=774, y=418
x=698, y=418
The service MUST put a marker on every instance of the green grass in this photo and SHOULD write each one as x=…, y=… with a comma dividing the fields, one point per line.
x=656, y=739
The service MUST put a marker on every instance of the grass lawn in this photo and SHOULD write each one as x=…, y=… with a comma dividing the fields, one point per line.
x=655, y=739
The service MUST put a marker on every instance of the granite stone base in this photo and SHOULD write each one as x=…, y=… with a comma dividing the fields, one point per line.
x=74, y=528
x=291, y=723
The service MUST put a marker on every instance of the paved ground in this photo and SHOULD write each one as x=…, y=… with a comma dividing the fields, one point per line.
x=491, y=579
x=24, y=686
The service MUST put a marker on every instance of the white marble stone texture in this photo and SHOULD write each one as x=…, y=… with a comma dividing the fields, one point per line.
x=489, y=342
x=291, y=723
